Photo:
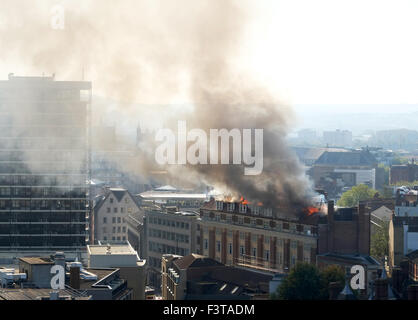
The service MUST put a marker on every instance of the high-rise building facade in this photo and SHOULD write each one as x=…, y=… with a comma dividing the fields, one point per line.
x=44, y=165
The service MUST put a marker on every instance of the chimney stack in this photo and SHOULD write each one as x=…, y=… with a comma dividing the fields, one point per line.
x=334, y=289
x=75, y=277
x=330, y=231
x=330, y=210
x=381, y=287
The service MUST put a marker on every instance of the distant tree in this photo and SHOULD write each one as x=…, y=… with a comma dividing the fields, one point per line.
x=302, y=283
x=357, y=193
x=406, y=183
x=386, y=173
x=398, y=160
x=332, y=273
x=379, y=242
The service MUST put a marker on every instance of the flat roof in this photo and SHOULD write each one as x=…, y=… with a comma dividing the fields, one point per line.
x=171, y=195
x=36, y=260
x=111, y=249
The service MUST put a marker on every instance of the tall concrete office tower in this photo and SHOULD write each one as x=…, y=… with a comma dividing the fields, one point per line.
x=44, y=166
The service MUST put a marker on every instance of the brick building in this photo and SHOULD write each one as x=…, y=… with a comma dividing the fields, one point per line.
x=345, y=230
x=403, y=173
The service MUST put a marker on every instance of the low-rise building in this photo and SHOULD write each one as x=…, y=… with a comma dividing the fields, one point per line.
x=335, y=171
x=196, y=277
x=123, y=257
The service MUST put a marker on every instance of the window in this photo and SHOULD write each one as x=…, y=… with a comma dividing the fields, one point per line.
x=119, y=220
x=123, y=229
x=113, y=219
x=241, y=250
x=254, y=252
x=267, y=255
x=104, y=220
x=104, y=230
x=230, y=248
x=108, y=209
x=111, y=200
x=218, y=246
x=121, y=209
x=113, y=231
x=206, y=244
x=115, y=210
x=118, y=230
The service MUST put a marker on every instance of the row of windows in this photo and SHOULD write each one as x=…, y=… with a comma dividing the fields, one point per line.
x=166, y=249
x=38, y=241
x=115, y=238
x=155, y=233
x=43, y=192
x=44, y=168
x=41, y=155
x=43, y=216
x=257, y=222
x=43, y=204
x=44, y=180
x=111, y=200
x=116, y=210
x=266, y=255
x=114, y=220
x=169, y=223
x=118, y=229
x=293, y=245
x=42, y=143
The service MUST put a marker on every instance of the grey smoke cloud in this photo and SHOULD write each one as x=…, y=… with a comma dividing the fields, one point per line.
x=149, y=55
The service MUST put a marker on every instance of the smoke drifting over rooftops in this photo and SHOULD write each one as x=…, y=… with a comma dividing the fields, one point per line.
x=157, y=53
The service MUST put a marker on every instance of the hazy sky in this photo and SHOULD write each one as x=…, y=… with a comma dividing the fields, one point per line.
x=311, y=52
x=338, y=52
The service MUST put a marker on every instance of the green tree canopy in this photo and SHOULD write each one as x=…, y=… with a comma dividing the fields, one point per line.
x=302, y=283
x=332, y=273
x=379, y=242
x=306, y=282
x=357, y=193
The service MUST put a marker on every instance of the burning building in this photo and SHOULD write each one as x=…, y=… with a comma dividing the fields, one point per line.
x=254, y=236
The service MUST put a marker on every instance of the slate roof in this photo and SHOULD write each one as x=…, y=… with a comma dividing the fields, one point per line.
x=195, y=261
x=118, y=193
x=352, y=158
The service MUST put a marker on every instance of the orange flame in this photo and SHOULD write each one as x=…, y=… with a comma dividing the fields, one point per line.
x=311, y=210
x=243, y=201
